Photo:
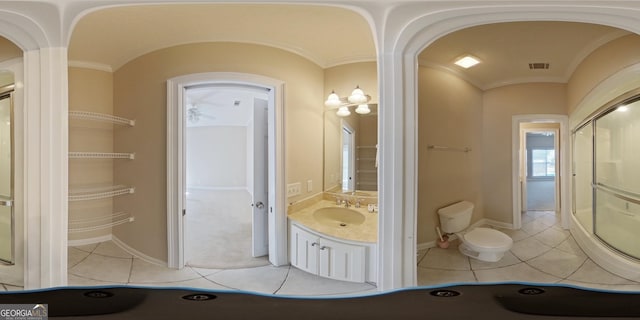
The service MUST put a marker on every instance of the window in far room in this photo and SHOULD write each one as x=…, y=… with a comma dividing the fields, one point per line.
x=543, y=163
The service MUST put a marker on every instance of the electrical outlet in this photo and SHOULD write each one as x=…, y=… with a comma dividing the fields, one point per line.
x=309, y=185
x=293, y=189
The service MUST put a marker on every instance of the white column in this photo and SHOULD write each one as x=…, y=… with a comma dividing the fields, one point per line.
x=45, y=168
x=397, y=180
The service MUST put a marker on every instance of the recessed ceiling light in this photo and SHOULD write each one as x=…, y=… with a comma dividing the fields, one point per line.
x=467, y=61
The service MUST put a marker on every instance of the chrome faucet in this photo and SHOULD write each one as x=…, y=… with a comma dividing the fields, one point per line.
x=346, y=203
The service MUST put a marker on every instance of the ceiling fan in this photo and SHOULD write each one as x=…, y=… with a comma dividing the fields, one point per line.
x=194, y=114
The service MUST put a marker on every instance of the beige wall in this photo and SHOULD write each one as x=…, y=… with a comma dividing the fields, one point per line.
x=90, y=90
x=598, y=66
x=500, y=105
x=140, y=93
x=449, y=114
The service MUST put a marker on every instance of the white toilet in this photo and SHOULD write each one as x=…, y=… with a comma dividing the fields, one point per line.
x=480, y=243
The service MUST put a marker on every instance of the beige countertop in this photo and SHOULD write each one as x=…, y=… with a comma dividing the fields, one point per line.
x=365, y=232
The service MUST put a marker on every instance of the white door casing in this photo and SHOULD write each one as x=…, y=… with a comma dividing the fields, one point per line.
x=277, y=232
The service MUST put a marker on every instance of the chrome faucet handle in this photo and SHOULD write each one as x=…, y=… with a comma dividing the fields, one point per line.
x=357, y=205
x=338, y=200
x=346, y=203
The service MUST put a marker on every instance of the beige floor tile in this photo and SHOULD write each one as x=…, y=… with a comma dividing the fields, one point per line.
x=205, y=272
x=76, y=281
x=261, y=279
x=8, y=287
x=552, y=237
x=534, y=227
x=529, y=248
x=101, y=268
x=549, y=219
x=87, y=248
x=145, y=272
x=590, y=272
x=75, y=256
x=199, y=283
x=571, y=246
x=520, y=272
x=557, y=263
x=432, y=277
x=450, y=259
x=300, y=283
x=110, y=249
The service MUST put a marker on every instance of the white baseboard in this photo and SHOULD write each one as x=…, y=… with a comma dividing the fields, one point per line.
x=137, y=253
x=84, y=242
x=497, y=224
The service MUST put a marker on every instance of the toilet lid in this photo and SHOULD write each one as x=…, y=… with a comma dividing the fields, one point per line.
x=488, y=238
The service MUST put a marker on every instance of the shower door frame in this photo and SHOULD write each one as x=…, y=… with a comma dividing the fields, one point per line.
x=633, y=96
x=6, y=92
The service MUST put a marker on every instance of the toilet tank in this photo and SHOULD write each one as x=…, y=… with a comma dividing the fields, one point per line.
x=456, y=217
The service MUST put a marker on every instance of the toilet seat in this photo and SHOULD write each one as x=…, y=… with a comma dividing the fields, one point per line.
x=486, y=239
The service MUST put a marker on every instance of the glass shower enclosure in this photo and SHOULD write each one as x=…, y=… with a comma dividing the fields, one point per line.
x=606, y=175
x=6, y=176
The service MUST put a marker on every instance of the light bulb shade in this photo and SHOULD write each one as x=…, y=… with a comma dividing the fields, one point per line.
x=357, y=96
x=333, y=100
x=343, y=112
x=363, y=109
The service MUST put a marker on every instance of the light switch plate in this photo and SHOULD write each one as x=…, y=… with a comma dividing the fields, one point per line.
x=293, y=189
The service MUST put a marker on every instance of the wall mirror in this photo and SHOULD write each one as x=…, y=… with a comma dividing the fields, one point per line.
x=350, y=152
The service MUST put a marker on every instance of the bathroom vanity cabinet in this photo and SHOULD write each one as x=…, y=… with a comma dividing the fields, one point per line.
x=329, y=257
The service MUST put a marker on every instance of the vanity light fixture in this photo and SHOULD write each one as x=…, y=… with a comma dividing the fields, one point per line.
x=467, y=61
x=357, y=98
x=363, y=109
x=343, y=111
x=333, y=101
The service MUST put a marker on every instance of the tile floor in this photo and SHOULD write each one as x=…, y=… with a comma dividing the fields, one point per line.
x=542, y=253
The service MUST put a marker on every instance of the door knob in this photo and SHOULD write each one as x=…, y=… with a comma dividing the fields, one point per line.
x=259, y=205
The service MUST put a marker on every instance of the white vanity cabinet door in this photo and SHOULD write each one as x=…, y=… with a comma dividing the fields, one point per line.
x=341, y=261
x=327, y=258
x=304, y=250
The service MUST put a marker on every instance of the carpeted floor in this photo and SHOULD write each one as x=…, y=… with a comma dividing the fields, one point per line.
x=541, y=195
x=218, y=230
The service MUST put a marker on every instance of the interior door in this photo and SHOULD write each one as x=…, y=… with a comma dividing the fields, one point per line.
x=260, y=243
x=348, y=158
x=6, y=178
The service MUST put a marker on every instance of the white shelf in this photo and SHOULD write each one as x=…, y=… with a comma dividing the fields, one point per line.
x=94, y=116
x=97, y=223
x=99, y=193
x=101, y=155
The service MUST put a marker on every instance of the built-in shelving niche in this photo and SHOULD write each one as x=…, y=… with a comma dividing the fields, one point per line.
x=367, y=173
x=80, y=221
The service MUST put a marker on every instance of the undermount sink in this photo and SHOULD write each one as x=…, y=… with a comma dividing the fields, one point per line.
x=336, y=216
